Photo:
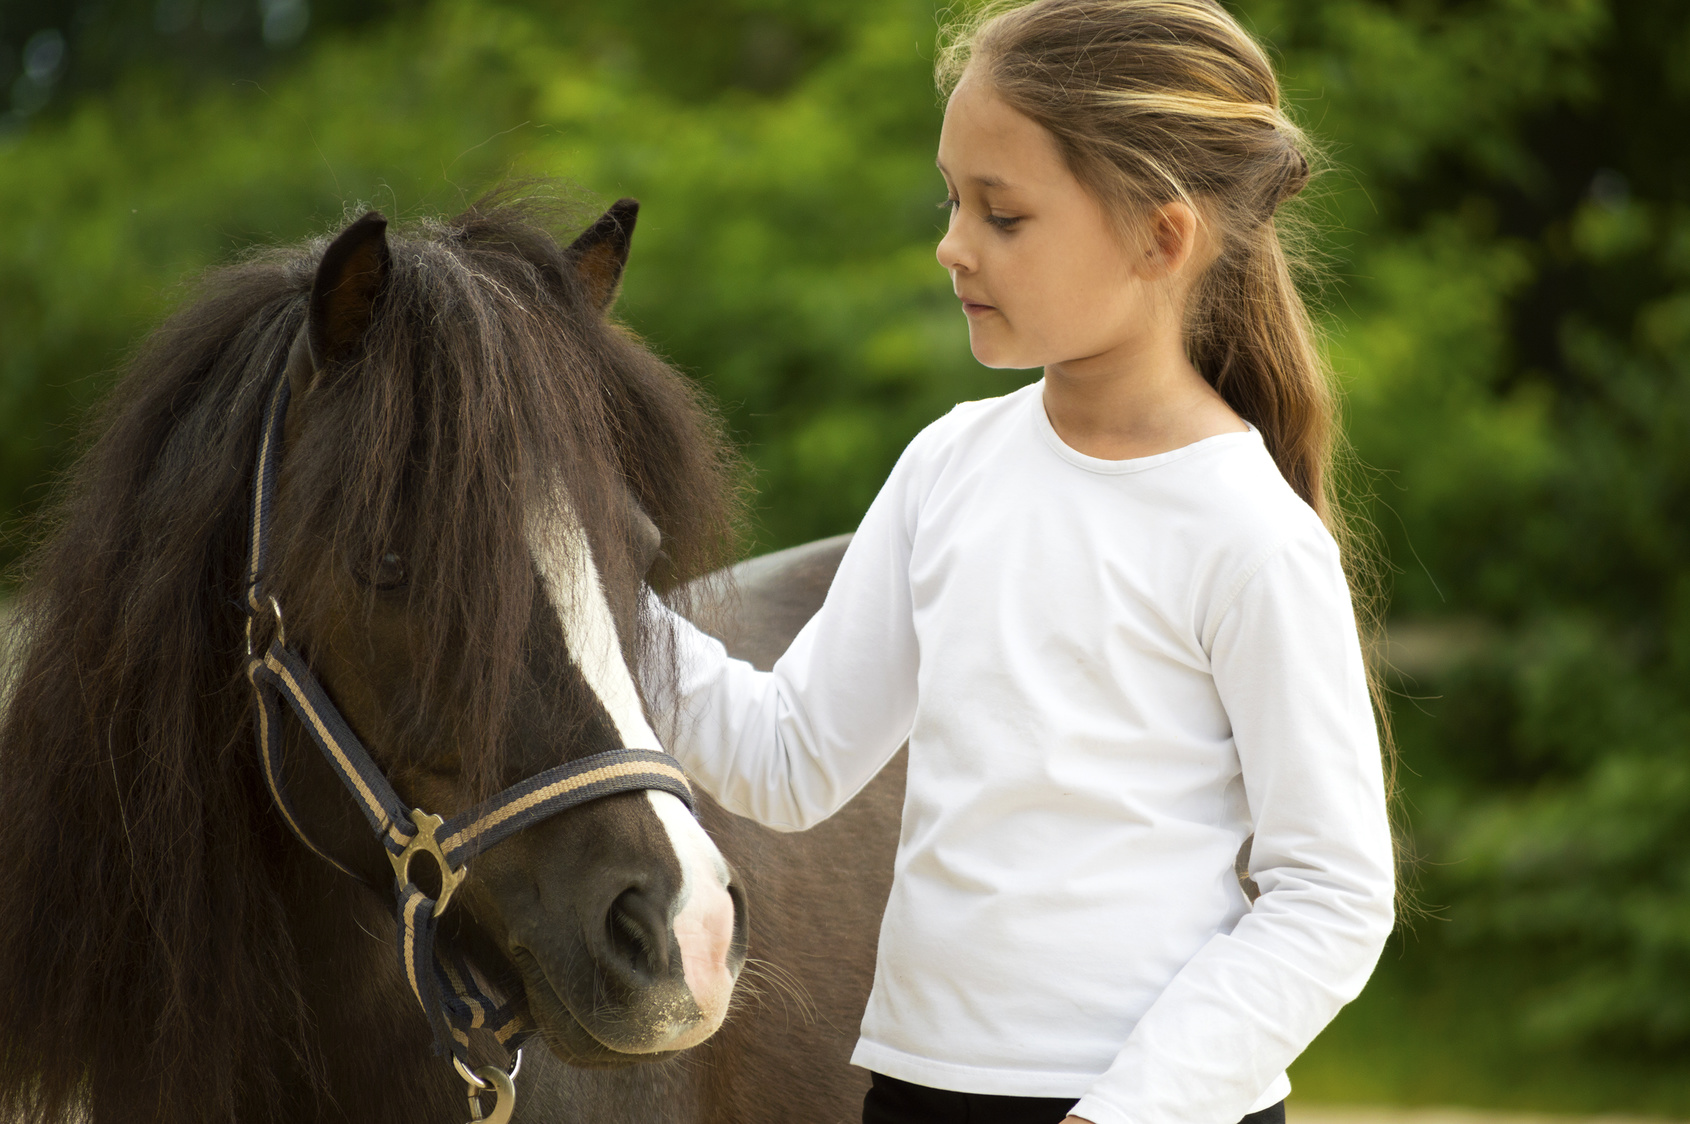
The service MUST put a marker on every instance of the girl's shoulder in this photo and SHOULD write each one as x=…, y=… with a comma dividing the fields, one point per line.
x=1240, y=479
x=1230, y=521
x=1234, y=496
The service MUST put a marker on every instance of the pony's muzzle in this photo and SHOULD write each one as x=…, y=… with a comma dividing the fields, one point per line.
x=680, y=958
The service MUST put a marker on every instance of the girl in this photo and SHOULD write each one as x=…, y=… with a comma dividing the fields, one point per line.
x=1107, y=612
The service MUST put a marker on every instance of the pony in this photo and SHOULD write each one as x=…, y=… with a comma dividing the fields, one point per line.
x=482, y=476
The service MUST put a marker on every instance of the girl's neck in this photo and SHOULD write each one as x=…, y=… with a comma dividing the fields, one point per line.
x=1136, y=400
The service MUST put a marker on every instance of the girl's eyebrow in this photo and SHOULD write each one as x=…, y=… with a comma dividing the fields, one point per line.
x=983, y=181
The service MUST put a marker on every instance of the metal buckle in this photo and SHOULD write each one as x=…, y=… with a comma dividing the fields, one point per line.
x=424, y=840
x=490, y=1078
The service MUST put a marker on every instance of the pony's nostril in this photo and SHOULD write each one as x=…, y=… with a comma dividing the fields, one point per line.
x=637, y=932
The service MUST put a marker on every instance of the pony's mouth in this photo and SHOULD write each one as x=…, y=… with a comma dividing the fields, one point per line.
x=611, y=1035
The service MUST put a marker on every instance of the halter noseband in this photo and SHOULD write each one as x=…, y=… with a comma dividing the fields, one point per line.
x=452, y=994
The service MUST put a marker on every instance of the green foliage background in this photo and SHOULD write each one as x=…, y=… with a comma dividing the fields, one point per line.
x=1505, y=237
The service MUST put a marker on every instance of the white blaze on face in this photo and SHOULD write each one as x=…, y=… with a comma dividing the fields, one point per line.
x=703, y=913
x=704, y=920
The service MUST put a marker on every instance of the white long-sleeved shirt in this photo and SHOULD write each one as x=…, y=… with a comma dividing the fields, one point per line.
x=1109, y=674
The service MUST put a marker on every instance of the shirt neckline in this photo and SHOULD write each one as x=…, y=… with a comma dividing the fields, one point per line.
x=1041, y=422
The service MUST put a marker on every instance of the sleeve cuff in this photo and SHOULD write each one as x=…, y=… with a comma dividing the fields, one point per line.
x=1099, y=1110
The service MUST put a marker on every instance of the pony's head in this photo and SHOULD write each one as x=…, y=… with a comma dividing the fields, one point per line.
x=480, y=475
x=462, y=562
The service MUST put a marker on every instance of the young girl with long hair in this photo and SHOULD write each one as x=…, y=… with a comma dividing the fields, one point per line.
x=1109, y=612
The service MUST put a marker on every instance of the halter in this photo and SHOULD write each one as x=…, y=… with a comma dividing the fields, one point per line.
x=453, y=995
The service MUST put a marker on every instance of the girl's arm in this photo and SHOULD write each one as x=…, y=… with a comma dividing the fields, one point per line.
x=1288, y=667
x=789, y=746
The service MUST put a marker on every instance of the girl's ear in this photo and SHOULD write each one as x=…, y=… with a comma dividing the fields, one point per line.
x=1172, y=237
x=602, y=250
x=349, y=280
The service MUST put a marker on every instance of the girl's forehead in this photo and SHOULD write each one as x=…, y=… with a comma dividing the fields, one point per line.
x=985, y=143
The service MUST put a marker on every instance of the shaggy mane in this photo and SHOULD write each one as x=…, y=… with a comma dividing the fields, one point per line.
x=144, y=950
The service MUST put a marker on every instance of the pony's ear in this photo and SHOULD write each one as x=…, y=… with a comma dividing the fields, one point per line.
x=602, y=250
x=350, y=279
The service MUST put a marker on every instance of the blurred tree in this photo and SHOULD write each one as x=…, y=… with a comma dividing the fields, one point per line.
x=1518, y=332
x=52, y=51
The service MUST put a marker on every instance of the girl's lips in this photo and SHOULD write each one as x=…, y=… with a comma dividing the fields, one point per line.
x=973, y=308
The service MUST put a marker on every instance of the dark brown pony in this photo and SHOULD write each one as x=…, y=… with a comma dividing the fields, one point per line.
x=168, y=950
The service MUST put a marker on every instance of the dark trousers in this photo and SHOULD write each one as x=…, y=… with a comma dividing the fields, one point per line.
x=891, y=1101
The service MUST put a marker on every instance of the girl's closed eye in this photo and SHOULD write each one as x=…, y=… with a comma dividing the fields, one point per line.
x=1002, y=222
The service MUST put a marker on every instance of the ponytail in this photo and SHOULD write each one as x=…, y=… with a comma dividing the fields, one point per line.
x=1249, y=335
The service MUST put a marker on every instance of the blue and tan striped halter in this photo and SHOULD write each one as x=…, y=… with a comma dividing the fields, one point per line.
x=452, y=994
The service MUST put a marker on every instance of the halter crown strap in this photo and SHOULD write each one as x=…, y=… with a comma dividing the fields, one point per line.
x=453, y=996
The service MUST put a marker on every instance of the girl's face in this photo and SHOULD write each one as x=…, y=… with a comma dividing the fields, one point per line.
x=1042, y=272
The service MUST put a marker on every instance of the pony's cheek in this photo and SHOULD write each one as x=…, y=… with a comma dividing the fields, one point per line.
x=364, y=671
x=433, y=790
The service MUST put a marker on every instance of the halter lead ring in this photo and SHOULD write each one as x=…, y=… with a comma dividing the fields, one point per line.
x=451, y=993
x=490, y=1079
x=504, y=1095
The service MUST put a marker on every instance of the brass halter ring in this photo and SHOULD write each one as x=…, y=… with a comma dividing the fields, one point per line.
x=425, y=841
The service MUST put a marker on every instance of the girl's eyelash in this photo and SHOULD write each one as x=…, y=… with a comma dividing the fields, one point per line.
x=1002, y=222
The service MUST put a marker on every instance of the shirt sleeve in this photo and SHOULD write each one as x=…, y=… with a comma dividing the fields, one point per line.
x=789, y=747
x=1288, y=667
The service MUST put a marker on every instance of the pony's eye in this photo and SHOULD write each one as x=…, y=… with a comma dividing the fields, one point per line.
x=388, y=572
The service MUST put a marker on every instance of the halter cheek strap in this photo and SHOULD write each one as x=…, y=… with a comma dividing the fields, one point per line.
x=453, y=996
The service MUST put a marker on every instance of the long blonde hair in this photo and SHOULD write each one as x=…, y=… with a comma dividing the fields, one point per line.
x=1152, y=101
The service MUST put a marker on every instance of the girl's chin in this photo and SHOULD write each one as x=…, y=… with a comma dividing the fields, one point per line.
x=991, y=353
x=987, y=345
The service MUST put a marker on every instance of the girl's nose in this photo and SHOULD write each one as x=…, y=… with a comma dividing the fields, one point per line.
x=952, y=254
